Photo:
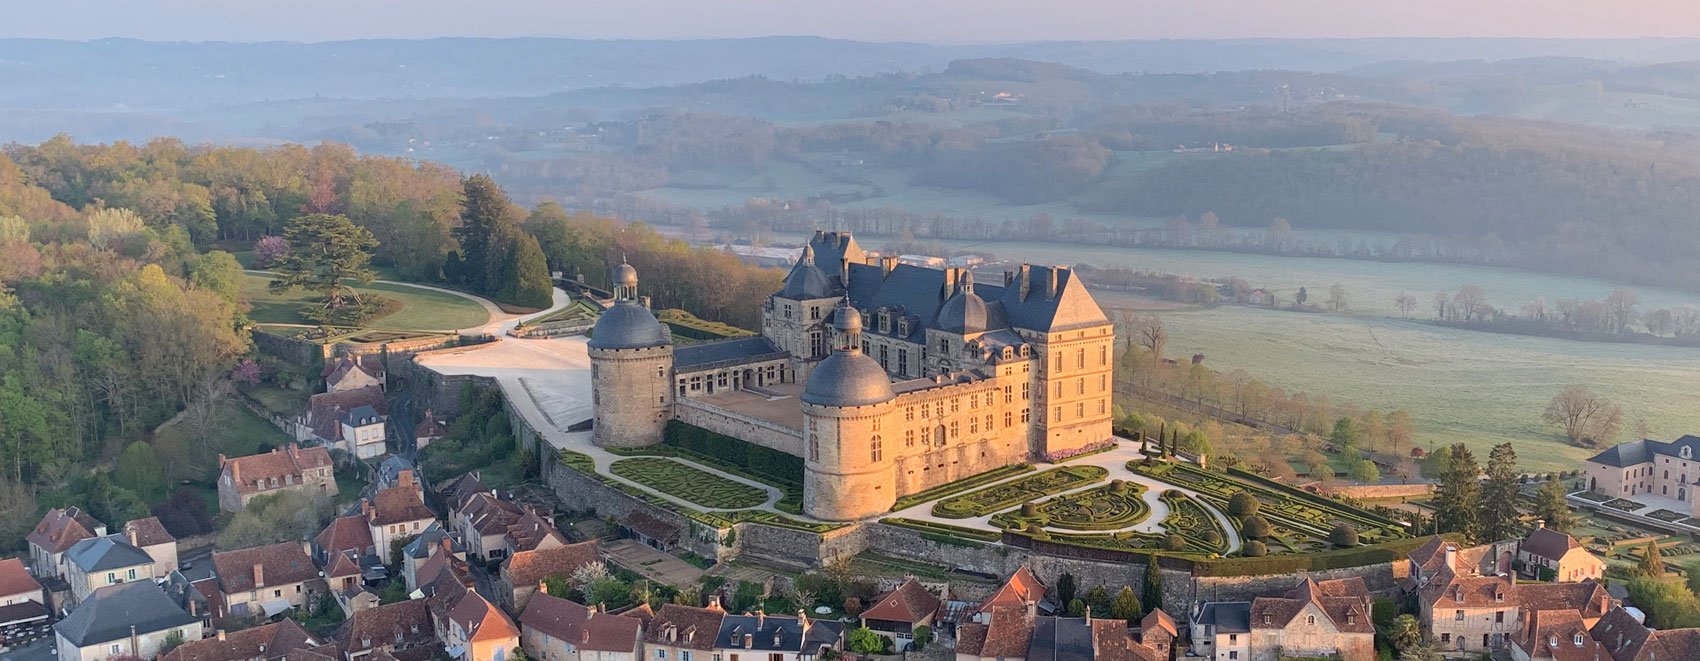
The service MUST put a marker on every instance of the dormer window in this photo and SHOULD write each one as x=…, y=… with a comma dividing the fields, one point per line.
x=1687, y=452
x=1267, y=620
x=1577, y=639
x=1552, y=640
x=1458, y=594
x=1499, y=596
x=1351, y=618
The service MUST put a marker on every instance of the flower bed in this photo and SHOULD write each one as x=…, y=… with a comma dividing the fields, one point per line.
x=1666, y=516
x=1010, y=494
x=1591, y=496
x=959, y=486
x=687, y=483
x=1084, y=450
x=1624, y=504
x=1109, y=507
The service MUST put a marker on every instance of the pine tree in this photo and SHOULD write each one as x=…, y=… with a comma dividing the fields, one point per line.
x=484, y=214
x=1651, y=564
x=1153, y=584
x=1499, y=495
x=1065, y=588
x=525, y=281
x=1458, y=496
x=1551, y=507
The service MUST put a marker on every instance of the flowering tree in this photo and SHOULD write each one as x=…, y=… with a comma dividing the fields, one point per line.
x=268, y=250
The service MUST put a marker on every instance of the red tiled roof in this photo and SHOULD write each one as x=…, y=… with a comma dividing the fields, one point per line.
x=1111, y=642
x=14, y=579
x=340, y=566
x=1559, y=635
x=345, y=533
x=530, y=531
x=641, y=612
x=580, y=625
x=684, y=626
x=1349, y=614
x=335, y=370
x=1670, y=644
x=286, y=464
x=1157, y=619
x=398, y=504
x=531, y=567
x=378, y=627
x=1007, y=635
x=208, y=587
x=267, y=641
x=481, y=620
x=1021, y=589
x=490, y=515
x=61, y=528
x=430, y=427
x=149, y=532
x=908, y=603
x=281, y=564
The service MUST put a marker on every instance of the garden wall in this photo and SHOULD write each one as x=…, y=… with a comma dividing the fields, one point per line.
x=554, y=329
x=742, y=427
x=583, y=493
x=1374, y=491
x=796, y=549
x=310, y=355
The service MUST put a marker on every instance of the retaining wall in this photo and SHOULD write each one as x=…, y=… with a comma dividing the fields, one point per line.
x=741, y=427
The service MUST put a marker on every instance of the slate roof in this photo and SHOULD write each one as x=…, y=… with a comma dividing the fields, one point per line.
x=282, y=564
x=267, y=641
x=149, y=532
x=106, y=553
x=577, y=624
x=14, y=579
x=61, y=528
x=360, y=416
x=24, y=611
x=806, y=280
x=457, y=491
x=345, y=533
x=1549, y=543
x=1227, y=616
x=628, y=325
x=426, y=542
x=325, y=410
x=398, y=504
x=286, y=464
x=908, y=603
x=110, y=612
x=1642, y=451
x=732, y=350
x=775, y=633
x=1064, y=638
x=530, y=567
x=1620, y=633
x=684, y=626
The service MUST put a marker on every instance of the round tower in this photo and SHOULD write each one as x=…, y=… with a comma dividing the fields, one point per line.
x=631, y=367
x=847, y=448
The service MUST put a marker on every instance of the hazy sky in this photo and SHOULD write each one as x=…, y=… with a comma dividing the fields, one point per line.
x=938, y=21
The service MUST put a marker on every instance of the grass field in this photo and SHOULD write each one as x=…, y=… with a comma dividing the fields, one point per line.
x=421, y=309
x=240, y=433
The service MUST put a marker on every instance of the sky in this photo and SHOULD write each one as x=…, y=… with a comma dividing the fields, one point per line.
x=932, y=21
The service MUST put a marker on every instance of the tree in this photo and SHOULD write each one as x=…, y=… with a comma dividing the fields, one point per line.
x=1065, y=587
x=1651, y=564
x=921, y=636
x=526, y=278
x=1406, y=632
x=1587, y=418
x=1458, y=496
x=324, y=251
x=218, y=272
x=1345, y=434
x=1422, y=651
x=1255, y=549
x=1620, y=305
x=1098, y=601
x=1343, y=536
x=1668, y=605
x=172, y=641
x=1126, y=606
x=1693, y=578
x=1243, y=504
x=1500, y=518
x=1337, y=297
x=1551, y=507
x=105, y=225
x=1149, y=333
x=139, y=471
x=1255, y=527
x=864, y=641
x=484, y=218
x=1366, y=472
x=1153, y=583
x=1441, y=298
x=1405, y=302
x=1300, y=298
x=1077, y=608
x=1321, y=471
x=1470, y=301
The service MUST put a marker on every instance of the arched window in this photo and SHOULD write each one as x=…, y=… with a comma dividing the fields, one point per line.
x=874, y=452
x=1310, y=619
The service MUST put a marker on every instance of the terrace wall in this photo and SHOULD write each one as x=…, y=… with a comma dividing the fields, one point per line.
x=583, y=493
x=741, y=427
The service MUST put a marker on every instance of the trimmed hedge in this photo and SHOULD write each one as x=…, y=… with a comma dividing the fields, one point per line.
x=1288, y=564
x=685, y=324
x=766, y=462
x=959, y=535
x=1009, y=494
x=952, y=488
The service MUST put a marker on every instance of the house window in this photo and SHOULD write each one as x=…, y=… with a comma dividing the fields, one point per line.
x=814, y=315
x=1458, y=616
x=111, y=577
x=113, y=649
x=1310, y=619
x=1233, y=655
x=1499, y=617
x=1267, y=620
x=1445, y=638
x=1233, y=639
x=1025, y=388
x=908, y=412
x=662, y=654
x=130, y=575
x=684, y=655
x=776, y=657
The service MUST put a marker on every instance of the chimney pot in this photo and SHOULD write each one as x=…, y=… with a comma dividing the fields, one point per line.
x=259, y=575
x=221, y=635
x=131, y=533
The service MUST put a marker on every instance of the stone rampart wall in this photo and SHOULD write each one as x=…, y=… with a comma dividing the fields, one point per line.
x=742, y=427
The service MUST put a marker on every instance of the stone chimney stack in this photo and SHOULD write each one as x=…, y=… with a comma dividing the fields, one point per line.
x=131, y=533
x=404, y=478
x=1026, y=284
x=1540, y=523
x=1052, y=276
x=259, y=575
x=1451, y=556
x=221, y=635
x=887, y=264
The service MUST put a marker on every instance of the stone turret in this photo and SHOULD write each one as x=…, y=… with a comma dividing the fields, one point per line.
x=847, y=399
x=631, y=367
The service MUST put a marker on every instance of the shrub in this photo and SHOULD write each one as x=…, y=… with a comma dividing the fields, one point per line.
x=1255, y=549
x=1243, y=504
x=1118, y=486
x=1174, y=543
x=1030, y=509
x=1255, y=527
x=1343, y=536
x=1212, y=537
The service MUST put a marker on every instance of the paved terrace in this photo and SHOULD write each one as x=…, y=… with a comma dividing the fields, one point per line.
x=778, y=404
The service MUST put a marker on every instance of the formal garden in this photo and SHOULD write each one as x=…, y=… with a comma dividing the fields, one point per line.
x=687, y=483
x=1296, y=521
x=1119, y=504
x=1010, y=494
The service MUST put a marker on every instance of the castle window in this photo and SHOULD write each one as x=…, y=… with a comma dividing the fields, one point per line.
x=885, y=321
x=1080, y=386
x=908, y=413
x=876, y=424
x=938, y=409
x=814, y=313
x=864, y=346
x=908, y=438
x=885, y=357
x=1056, y=414
x=1059, y=361
x=955, y=404
x=1080, y=358
x=874, y=449
x=973, y=425
x=1103, y=356
x=902, y=361
x=661, y=371
x=988, y=422
x=1025, y=415
x=1009, y=394
x=1080, y=410
x=1103, y=382
x=1008, y=418
x=974, y=403
x=1025, y=387
x=1059, y=390
x=787, y=310
x=1100, y=407
x=944, y=346
x=814, y=448
x=955, y=427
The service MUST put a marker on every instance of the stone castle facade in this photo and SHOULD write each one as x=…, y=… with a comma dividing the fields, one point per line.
x=886, y=378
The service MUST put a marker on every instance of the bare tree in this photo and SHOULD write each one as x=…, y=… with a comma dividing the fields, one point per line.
x=1587, y=419
x=1660, y=321
x=1406, y=303
x=1148, y=331
x=1337, y=297
x=1686, y=321
x=1536, y=310
x=1471, y=301
x=1620, y=304
x=1441, y=298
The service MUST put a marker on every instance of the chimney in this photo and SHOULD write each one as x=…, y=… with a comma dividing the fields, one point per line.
x=221, y=635
x=1540, y=523
x=1052, y=275
x=749, y=641
x=1026, y=283
x=761, y=618
x=404, y=478
x=1451, y=556
x=259, y=575
x=193, y=608
x=584, y=638
x=887, y=263
x=714, y=602
x=950, y=275
x=542, y=587
x=235, y=471
x=131, y=533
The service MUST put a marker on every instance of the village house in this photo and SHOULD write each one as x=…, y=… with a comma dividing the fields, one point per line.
x=1556, y=635
x=55, y=534
x=266, y=580
x=1022, y=592
x=350, y=372
x=555, y=629
x=327, y=412
x=24, y=611
x=1469, y=613
x=1548, y=554
x=362, y=432
x=1326, y=619
x=130, y=620
x=683, y=633
x=1625, y=638
x=277, y=641
x=457, y=491
x=429, y=430
x=102, y=561
x=16, y=584
x=402, y=629
x=763, y=637
x=394, y=514
x=291, y=468
x=897, y=613
x=149, y=536
x=522, y=573
x=433, y=540
x=493, y=528
x=344, y=535
x=343, y=579
x=479, y=631
x=1012, y=635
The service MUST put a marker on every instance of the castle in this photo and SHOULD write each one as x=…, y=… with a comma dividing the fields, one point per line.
x=886, y=378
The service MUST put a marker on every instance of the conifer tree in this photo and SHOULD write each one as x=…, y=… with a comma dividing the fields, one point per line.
x=1652, y=564
x=1153, y=584
x=1126, y=606
x=484, y=213
x=1499, y=495
x=1458, y=496
x=1551, y=507
x=526, y=279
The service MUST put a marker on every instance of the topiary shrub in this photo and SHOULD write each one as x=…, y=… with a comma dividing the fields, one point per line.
x=1212, y=537
x=1174, y=543
x=1255, y=549
x=1118, y=486
x=1255, y=527
x=1034, y=530
x=1243, y=504
x=1029, y=509
x=1343, y=536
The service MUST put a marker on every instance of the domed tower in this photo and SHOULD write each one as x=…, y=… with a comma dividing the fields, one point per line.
x=962, y=318
x=631, y=367
x=847, y=399
x=795, y=316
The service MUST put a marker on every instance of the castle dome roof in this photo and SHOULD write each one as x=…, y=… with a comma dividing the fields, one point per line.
x=628, y=325
x=965, y=312
x=806, y=281
x=624, y=274
x=847, y=378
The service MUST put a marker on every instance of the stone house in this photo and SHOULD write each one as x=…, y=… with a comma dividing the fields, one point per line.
x=269, y=642
x=55, y=534
x=763, y=637
x=897, y=613
x=457, y=491
x=266, y=580
x=429, y=430
x=361, y=430
x=325, y=414
x=291, y=468
x=493, y=528
x=1326, y=619
x=133, y=619
x=350, y=372
x=1556, y=635
x=1560, y=554
x=555, y=629
x=479, y=631
x=24, y=611
x=1221, y=630
x=683, y=633
x=1010, y=634
x=524, y=572
x=395, y=514
x=1625, y=638
x=402, y=629
x=1649, y=467
x=102, y=561
x=1474, y=613
x=344, y=535
x=432, y=541
x=151, y=537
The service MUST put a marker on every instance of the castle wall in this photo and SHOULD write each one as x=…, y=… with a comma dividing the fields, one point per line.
x=847, y=468
x=1074, y=397
x=631, y=395
x=741, y=427
x=950, y=432
x=719, y=377
x=583, y=493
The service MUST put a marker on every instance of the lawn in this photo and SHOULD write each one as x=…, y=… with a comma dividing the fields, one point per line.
x=1010, y=494
x=240, y=433
x=421, y=309
x=279, y=400
x=688, y=483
